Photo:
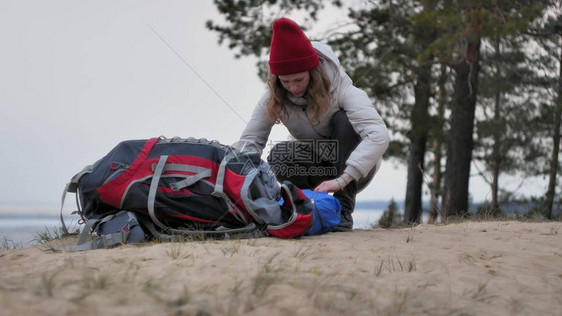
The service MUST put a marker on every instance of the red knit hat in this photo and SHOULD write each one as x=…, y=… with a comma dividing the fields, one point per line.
x=291, y=51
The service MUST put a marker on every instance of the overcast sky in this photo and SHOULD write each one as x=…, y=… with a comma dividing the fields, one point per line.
x=78, y=77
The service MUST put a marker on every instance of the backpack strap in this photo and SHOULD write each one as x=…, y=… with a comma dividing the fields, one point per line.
x=72, y=186
x=154, y=188
x=150, y=226
x=87, y=231
x=219, y=183
x=219, y=189
x=191, y=180
x=251, y=229
x=181, y=167
x=200, y=174
x=63, y=225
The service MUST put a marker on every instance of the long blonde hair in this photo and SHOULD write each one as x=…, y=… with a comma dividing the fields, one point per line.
x=318, y=95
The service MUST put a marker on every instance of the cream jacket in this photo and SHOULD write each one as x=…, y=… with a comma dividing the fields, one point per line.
x=359, y=109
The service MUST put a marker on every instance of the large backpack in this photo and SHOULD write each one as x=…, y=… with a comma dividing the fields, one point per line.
x=190, y=185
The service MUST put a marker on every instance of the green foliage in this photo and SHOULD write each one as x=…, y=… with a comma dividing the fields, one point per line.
x=383, y=44
x=248, y=26
x=48, y=235
x=503, y=121
x=388, y=218
x=8, y=244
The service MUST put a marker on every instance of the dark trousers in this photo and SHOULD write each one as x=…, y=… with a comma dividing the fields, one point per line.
x=307, y=163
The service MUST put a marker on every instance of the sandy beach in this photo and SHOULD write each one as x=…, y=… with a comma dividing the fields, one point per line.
x=469, y=268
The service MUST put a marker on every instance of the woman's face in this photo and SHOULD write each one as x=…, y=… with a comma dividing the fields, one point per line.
x=297, y=84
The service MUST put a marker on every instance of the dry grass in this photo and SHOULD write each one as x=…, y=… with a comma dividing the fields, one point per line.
x=174, y=251
x=8, y=244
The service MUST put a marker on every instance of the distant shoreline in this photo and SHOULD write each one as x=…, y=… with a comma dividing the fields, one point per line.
x=21, y=227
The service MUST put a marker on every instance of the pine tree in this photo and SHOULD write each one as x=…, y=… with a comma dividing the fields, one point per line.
x=386, y=55
x=501, y=126
x=387, y=219
x=393, y=49
x=548, y=34
x=470, y=22
x=438, y=141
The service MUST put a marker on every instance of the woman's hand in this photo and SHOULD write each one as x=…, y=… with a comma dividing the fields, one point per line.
x=329, y=186
x=334, y=185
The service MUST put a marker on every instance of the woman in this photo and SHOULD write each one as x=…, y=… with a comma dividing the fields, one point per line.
x=339, y=136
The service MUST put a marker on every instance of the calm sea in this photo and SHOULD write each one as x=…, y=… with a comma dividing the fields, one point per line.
x=22, y=228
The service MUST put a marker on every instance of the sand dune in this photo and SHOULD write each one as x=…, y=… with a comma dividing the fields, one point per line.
x=471, y=268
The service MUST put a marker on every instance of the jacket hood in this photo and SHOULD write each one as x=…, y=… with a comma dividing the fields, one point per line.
x=329, y=62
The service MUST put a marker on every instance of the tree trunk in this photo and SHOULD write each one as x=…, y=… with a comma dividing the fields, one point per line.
x=459, y=153
x=418, y=142
x=556, y=145
x=438, y=148
x=436, y=182
x=495, y=188
x=496, y=155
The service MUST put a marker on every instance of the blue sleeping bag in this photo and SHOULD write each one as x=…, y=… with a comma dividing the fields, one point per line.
x=327, y=212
